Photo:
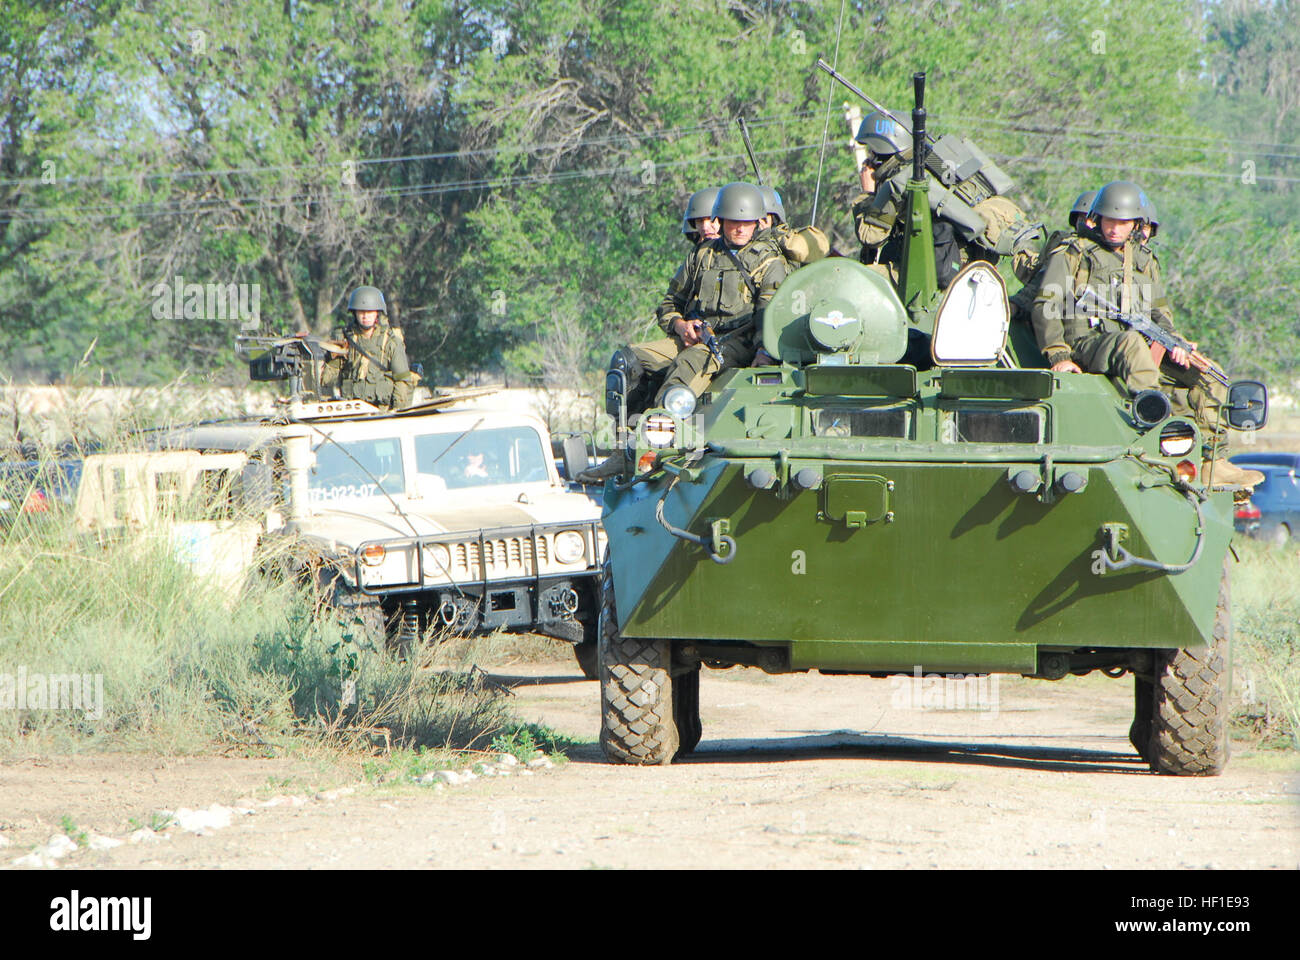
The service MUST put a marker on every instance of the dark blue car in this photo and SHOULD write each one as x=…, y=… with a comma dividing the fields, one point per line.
x=1273, y=511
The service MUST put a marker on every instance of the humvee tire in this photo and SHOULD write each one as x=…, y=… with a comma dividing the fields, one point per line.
x=352, y=606
x=636, y=690
x=1189, y=716
x=686, y=710
x=587, y=655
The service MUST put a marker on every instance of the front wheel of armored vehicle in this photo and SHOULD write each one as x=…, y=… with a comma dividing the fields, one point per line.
x=638, y=719
x=686, y=709
x=1189, y=702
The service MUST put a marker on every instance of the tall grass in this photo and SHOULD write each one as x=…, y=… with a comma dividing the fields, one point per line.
x=1266, y=610
x=186, y=665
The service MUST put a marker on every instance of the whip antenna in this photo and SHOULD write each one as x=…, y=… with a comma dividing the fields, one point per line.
x=835, y=58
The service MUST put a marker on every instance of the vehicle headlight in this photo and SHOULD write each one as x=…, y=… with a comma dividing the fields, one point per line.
x=570, y=546
x=437, y=555
x=660, y=430
x=373, y=555
x=1177, y=438
x=680, y=402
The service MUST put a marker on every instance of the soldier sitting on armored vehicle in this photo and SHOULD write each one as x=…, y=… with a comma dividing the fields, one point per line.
x=974, y=221
x=1078, y=330
x=1029, y=266
x=710, y=313
x=371, y=362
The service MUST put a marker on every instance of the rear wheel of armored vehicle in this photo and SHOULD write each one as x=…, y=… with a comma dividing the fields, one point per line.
x=638, y=723
x=1189, y=702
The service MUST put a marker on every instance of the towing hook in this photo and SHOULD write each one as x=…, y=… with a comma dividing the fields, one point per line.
x=721, y=546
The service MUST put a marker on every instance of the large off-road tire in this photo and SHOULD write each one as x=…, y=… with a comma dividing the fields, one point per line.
x=587, y=654
x=1189, y=716
x=636, y=690
x=686, y=710
x=1139, y=732
x=354, y=608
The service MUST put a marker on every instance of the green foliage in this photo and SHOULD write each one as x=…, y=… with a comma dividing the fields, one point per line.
x=512, y=175
x=1266, y=606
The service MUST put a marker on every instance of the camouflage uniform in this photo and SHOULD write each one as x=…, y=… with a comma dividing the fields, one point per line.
x=387, y=383
x=1030, y=270
x=710, y=287
x=1130, y=278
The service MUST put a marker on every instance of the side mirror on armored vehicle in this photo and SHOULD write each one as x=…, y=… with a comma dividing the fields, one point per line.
x=1247, y=405
x=970, y=327
x=574, y=453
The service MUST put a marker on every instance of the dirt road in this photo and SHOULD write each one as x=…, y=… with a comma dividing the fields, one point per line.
x=794, y=771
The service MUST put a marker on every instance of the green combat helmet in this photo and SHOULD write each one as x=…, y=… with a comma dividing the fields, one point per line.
x=739, y=201
x=883, y=135
x=699, y=205
x=1151, y=217
x=772, y=203
x=367, y=298
x=1082, y=203
x=1119, y=200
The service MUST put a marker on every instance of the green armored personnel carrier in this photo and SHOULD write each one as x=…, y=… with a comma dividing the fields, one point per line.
x=843, y=511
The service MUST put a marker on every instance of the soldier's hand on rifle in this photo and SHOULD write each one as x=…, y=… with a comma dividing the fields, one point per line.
x=688, y=330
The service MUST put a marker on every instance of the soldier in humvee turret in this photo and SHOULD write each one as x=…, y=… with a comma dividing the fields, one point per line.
x=372, y=363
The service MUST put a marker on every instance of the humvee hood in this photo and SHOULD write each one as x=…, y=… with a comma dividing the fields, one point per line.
x=354, y=526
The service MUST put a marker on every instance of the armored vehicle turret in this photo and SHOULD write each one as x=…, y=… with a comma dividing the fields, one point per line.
x=908, y=488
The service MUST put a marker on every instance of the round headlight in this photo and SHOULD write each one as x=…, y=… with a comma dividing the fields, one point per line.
x=570, y=546
x=660, y=430
x=680, y=402
x=373, y=555
x=437, y=556
x=1177, y=438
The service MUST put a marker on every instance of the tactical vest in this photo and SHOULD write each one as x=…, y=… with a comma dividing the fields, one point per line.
x=1103, y=270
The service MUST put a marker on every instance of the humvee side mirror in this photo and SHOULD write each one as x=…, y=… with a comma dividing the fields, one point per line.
x=574, y=450
x=1247, y=405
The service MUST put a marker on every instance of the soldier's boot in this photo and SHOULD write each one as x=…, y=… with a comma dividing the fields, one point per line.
x=613, y=466
x=1226, y=475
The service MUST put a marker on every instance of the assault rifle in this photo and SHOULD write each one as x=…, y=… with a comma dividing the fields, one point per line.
x=707, y=336
x=1161, y=340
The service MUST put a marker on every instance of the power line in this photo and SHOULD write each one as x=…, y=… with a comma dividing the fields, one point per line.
x=380, y=193
x=665, y=133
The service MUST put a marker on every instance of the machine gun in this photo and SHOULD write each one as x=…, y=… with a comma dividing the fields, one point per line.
x=284, y=358
x=1156, y=335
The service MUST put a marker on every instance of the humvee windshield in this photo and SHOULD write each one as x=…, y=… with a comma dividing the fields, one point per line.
x=482, y=457
x=357, y=468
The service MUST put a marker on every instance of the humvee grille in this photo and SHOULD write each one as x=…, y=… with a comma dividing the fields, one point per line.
x=1000, y=426
x=871, y=422
x=513, y=555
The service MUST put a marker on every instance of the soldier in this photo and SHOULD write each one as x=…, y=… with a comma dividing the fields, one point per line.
x=698, y=223
x=725, y=282
x=972, y=221
x=1113, y=262
x=1030, y=268
x=374, y=367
